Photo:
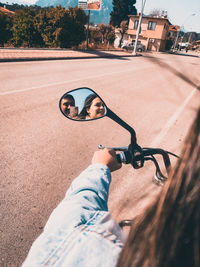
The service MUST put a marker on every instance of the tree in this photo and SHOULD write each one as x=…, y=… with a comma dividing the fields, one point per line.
x=123, y=29
x=62, y=28
x=49, y=25
x=5, y=28
x=73, y=27
x=95, y=36
x=24, y=29
x=121, y=10
x=102, y=34
x=110, y=34
x=102, y=30
x=107, y=33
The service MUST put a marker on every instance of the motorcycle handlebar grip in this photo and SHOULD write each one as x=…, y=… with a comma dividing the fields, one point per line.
x=119, y=158
x=124, y=157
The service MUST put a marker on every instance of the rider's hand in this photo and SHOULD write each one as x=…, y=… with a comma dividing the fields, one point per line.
x=107, y=157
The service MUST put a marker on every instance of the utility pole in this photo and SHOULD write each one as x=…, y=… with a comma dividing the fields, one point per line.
x=177, y=36
x=88, y=28
x=138, y=28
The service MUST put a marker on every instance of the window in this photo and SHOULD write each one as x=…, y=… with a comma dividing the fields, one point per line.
x=135, y=24
x=151, y=25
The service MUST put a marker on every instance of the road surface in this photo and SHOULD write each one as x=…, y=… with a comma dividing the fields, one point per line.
x=41, y=151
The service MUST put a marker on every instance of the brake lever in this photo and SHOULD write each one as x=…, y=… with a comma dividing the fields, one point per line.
x=123, y=148
x=158, y=177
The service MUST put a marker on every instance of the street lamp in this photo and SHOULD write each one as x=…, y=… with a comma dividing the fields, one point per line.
x=138, y=28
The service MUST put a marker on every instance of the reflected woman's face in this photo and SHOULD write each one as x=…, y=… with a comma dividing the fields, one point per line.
x=96, y=109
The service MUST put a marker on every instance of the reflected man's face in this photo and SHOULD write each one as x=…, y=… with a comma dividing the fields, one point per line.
x=66, y=103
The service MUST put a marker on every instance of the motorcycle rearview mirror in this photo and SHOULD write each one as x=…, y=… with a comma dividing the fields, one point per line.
x=84, y=104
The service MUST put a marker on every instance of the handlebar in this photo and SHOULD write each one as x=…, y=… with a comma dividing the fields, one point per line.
x=137, y=156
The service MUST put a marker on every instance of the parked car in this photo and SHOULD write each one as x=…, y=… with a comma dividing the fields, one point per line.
x=129, y=47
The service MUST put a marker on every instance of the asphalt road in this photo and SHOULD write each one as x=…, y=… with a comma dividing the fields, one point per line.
x=41, y=151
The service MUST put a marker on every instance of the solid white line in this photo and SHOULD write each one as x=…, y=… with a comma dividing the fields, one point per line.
x=50, y=84
x=122, y=189
x=171, y=121
x=35, y=87
x=60, y=83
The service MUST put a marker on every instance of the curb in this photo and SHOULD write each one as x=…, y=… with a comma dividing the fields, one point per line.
x=63, y=58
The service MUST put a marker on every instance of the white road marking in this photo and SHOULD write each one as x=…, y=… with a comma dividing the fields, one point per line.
x=127, y=183
x=35, y=87
x=172, y=120
x=60, y=83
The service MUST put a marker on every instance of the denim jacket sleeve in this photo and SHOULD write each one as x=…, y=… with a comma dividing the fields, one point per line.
x=87, y=194
x=79, y=225
x=91, y=187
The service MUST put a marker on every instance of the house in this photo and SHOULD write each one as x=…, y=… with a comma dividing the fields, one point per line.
x=173, y=31
x=154, y=33
x=196, y=46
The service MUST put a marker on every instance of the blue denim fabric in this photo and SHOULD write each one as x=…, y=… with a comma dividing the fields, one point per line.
x=80, y=231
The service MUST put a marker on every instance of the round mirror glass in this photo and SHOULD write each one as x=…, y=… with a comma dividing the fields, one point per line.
x=82, y=104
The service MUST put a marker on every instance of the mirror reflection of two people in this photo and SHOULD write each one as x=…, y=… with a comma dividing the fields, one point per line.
x=93, y=107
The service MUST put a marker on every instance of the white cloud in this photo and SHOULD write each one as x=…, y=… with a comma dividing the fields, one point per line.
x=30, y=1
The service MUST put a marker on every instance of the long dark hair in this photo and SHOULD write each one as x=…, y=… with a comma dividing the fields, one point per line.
x=168, y=232
x=87, y=104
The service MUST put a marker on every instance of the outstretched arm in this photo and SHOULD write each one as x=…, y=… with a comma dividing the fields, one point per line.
x=88, y=192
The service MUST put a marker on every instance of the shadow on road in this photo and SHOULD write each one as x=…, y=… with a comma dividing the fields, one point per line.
x=87, y=54
x=185, y=55
x=106, y=54
x=177, y=73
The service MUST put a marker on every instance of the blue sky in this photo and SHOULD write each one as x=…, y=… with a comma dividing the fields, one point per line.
x=179, y=11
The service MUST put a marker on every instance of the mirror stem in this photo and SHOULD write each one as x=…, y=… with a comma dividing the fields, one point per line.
x=114, y=117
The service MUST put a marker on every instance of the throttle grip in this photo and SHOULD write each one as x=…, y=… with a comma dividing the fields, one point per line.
x=124, y=157
x=118, y=158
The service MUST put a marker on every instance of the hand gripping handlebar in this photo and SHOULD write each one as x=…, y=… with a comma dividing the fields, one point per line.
x=137, y=156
